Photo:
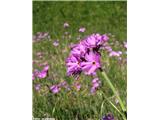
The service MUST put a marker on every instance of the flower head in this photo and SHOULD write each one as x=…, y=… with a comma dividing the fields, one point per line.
x=114, y=53
x=95, y=40
x=42, y=74
x=95, y=85
x=108, y=117
x=33, y=77
x=55, y=89
x=79, y=50
x=73, y=65
x=85, y=56
x=36, y=72
x=56, y=43
x=92, y=62
x=46, y=68
x=40, y=35
x=95, y=82
x=125, y=44
x=82, y=29
x=66, y=25
x=37, y=87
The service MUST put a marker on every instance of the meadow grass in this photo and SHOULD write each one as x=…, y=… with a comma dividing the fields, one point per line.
x=101, y=17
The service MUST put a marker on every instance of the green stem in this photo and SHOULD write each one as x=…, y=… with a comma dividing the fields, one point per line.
x=114, y=91
x=118, y=110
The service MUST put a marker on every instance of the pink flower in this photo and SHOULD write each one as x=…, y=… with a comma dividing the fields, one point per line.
x=56, y=43
x=85, y=57
x=33, y=77
x=114, y=53
x=120, y=52
x=125, y=44
x=66, y=25
x=92, y=63
x=108, y=117
x=93, y=90
x=92, y=41
x=95, y=85
x=108, y=48
x=82, y=29
x=42, y=74
x=78, y=50
x=95, y=40
x=40, y=35
x=55, y=89
x=46, y=68
x=37, y=87
x=36, y=72
x=95, y=82
x=104, y=38
x=73, y=65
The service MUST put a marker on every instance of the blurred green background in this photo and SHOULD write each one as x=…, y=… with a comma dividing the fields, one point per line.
x=95, y=16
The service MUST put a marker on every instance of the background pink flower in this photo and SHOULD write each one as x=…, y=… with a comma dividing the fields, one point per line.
x=82, y=29
x=66, y=25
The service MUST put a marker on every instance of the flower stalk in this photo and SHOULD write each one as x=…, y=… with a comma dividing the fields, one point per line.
x=114, y=91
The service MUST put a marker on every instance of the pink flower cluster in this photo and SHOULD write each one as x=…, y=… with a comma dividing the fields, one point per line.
x=37, y=87
x=85, y=56
x=40, y=36
x=113, y=53
x=95, y=85
x=40, y=74
x=57, y=87
x=82, y=29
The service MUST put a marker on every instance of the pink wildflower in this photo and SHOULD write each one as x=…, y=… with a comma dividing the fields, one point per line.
x=82, y=29
x=114, y=53
x=55, y=89
x=66, y=25
x=125, y=44
x=42, y=74
x=95, y=85
x=56, y=43
x=92, y=63
x=37, y=87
